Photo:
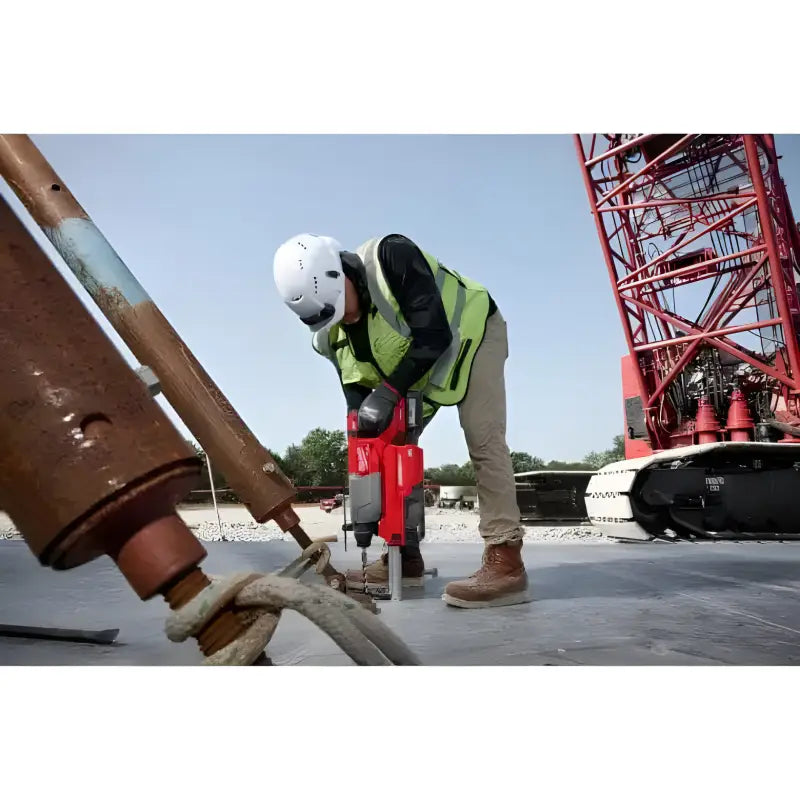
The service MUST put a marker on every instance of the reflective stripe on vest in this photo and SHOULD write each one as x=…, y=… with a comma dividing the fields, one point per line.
x=445, y=362
x=321, y=342
x=379, y=289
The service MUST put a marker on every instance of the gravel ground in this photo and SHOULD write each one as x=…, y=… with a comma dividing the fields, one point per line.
x=442, y=526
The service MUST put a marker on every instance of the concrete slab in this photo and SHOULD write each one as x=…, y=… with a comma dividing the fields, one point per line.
x=720, y=603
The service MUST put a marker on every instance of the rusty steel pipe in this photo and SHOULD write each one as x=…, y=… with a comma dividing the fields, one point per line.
x=89, y=463
x=251, y=471
x=247, y=465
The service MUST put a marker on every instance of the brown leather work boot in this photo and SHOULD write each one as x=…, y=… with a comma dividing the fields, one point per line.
x=378, y=572
x=501, y=580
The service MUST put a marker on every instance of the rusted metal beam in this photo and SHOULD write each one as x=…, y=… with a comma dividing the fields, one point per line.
x=89, y=464
x=249, y=468
x=78, y=429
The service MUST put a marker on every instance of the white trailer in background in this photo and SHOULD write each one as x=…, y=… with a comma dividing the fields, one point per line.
x=458, y=497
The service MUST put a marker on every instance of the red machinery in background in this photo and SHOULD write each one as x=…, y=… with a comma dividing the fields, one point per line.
x=704, y=258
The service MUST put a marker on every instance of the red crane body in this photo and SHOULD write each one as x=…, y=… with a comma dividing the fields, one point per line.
x=703, y=254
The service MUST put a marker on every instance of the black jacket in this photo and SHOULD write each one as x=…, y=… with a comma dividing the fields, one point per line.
x=412, y=282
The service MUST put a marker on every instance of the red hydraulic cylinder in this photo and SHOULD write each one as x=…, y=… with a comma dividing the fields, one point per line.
x=706, y=424
x=739, y=423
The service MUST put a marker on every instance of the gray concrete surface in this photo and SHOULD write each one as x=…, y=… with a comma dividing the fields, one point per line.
x=735, y=604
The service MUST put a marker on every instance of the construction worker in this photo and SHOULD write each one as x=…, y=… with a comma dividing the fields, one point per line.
x=392, y=318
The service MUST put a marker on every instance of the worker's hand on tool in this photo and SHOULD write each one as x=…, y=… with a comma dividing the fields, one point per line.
x=376, y=411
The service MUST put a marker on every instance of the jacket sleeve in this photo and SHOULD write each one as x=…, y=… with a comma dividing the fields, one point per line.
x=354, y=395
x=412, y=282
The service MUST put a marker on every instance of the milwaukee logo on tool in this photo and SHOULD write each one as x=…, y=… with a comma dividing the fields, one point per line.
x=362, y=454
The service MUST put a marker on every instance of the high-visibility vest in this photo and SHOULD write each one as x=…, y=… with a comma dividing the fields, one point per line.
x=466, y=304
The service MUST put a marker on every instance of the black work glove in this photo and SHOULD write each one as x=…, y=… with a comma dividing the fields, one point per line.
x=375, y=413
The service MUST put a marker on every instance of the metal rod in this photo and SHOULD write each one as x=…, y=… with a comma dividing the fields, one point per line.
x=678, y=273
x=247, y=465
x=689, y=279
x=213, y=494
x=678, y=201
x=344, y=518
x=612, y=273
x=776, y=271
x=784, y=428
x=729, y=299
x=690, y=351
x=771, y=372
x=719, y=223
x=712, y=334
x=794, y=234
x=107, y=636
x=739, y=353
x=395, y=573
x=744, y=302
x=630, y=145
x=634, y=256
x=728, y=347
x=649, y=166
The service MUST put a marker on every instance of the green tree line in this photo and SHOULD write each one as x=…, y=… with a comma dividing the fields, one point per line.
x=321, y=460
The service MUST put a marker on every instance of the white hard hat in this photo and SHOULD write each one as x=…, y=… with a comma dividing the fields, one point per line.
x=308, y=275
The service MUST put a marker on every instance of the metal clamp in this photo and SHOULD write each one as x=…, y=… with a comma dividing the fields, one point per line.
x=150, y=380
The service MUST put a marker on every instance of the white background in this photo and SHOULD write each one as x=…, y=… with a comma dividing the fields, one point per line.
x=471, y=732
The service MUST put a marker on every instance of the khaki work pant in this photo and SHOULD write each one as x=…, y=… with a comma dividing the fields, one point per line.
x=482, y=414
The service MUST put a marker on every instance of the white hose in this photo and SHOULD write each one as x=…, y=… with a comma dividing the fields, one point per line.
x=358, y=632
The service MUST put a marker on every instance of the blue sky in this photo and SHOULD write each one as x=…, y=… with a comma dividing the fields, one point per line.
x=197, y=219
